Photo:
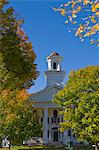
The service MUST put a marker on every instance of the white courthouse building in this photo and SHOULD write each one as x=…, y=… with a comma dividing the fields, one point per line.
x=48, y=111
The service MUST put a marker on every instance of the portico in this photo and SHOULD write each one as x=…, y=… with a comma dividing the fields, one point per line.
x=50, y=118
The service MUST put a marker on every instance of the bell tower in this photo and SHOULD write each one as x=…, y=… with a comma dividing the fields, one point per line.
x=54, y=74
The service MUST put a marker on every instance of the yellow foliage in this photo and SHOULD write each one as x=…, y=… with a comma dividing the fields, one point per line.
x=96, y=27
x=88, y=28
x=80, y=29
x=22, y=95
x=95, y=7
x=78, y=9
x=73, y=4
x=63, y=12
x=10, y=117
x=74, y=14
x=97, y=13
x=93, y=19
x=86, y=2
x=90, y=33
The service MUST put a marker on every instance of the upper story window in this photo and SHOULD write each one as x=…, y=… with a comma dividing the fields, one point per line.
x=48, y=119
x=55, y=113
x=62, y=119
x=41, y=119
x=54, y=65
x=58, y=120
x=52, y=120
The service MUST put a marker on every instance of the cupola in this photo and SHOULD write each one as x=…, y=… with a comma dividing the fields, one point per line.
x=54, y=61
x=54, y=74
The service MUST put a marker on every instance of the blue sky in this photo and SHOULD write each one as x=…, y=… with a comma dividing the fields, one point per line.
x=48, y=33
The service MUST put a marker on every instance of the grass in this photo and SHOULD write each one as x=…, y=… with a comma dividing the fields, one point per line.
x=23, y=147
x=44, y=148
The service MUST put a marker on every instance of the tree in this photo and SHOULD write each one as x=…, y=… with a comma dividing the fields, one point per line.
x=16, y=51
x=80, y=100
x=18, y=122
x=81, y=17
x=17, y=73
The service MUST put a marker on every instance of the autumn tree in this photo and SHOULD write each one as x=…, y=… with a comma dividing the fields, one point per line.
x=17, y=73
x=80, y=100
x=16, y=51
x=81, y=18
x=18, y=122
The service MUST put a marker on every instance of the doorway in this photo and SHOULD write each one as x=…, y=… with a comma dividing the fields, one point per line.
x=55, y=136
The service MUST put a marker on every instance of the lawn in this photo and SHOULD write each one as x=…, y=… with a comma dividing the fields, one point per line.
x=34, y=148
x=23, y=147
x=46, y=148
x=43, y=148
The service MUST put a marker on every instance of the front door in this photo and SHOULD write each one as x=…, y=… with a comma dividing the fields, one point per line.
x=55, y=136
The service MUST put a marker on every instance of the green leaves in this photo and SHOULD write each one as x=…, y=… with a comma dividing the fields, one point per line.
x=80, y=98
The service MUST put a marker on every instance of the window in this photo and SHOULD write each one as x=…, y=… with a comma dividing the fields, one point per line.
x=55, y=120
x=43, y=113
x=52, y=120
x=62, y=119
x=48, y=119
x=69, y=133
x=59, y=133
x=55, y=113
x=62, y=134
x=41, y=119
x=48, y=134
x=58, y=120
x=54, y=65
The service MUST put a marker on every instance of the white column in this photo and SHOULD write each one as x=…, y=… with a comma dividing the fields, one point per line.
x=49, y=64
x=45, y=126
x=65, y=137
x=61, y=137
x=58, y=67
x=50, y=136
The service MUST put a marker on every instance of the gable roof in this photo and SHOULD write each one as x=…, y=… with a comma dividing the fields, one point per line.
x=53, y=54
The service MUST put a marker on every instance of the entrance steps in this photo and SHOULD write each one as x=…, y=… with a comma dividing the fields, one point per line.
x=56, y=144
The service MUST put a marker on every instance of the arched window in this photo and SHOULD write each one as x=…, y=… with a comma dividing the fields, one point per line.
x=54, y=65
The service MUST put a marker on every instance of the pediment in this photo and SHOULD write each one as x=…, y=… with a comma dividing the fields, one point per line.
x=46, y=94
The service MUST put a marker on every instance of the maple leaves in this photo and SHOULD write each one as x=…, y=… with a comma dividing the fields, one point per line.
x=17, y=73
x=81, y=18
x=17, y=50
x=95, y=7
x=2, y=3
x=16, y=116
